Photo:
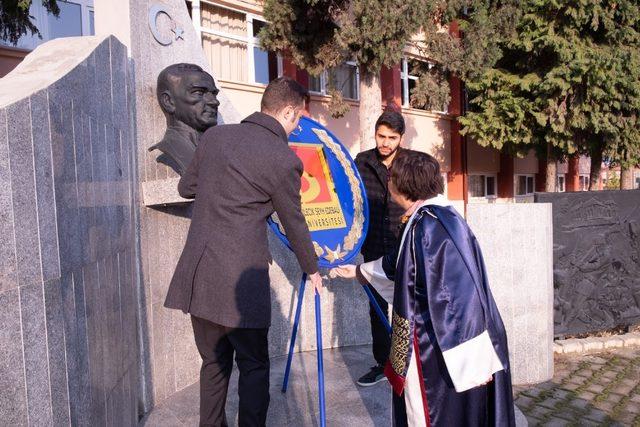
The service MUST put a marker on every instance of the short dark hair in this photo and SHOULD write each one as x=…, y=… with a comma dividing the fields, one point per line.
x=393, y=120
x=174, y=70
x=282, y=92
x=416, y=175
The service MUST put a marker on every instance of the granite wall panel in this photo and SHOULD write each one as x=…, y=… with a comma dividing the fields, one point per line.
x=63, y=156
x=8, y=277
x=111, y=211
x=67, y=242
x=57, y=353
x=119, y=64
x=45, y=197
x=95, y=324
x=82, y=404
x=13, y=394
x=25, y=215
x=36, y=363
x=72, y=344
x=113, y=332
x=82, y=155
x=129, y=304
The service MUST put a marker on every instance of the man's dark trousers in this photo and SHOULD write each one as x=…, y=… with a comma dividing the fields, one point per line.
x=217, y=344
x=381, y=340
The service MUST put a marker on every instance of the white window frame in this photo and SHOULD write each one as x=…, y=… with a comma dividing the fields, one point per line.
x=486, y=186
x=586, y=177
x=564, y=183
x=250, y=39
x=324, y=79
x=37, y=10
x=85, y=7
x=404, y=78
x=323, y=84
x=515, y=184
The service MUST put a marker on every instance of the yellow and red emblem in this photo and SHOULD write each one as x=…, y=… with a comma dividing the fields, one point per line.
x=320, y=203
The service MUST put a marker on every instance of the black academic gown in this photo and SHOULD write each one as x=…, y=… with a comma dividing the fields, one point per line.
x=448, y=338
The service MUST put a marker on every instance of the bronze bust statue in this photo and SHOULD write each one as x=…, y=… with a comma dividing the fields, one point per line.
x=188, y=96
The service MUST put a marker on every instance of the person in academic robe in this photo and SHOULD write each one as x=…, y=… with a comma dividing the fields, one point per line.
x=449, y=362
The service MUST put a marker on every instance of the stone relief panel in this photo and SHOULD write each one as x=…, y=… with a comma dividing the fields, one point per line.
x=596, y=260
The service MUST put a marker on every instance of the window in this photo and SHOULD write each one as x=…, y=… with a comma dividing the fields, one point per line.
x=345, y=78
x=409, y=79
x=560, y=184
x=230, y=41
x=584, y=182
x=525, y=185
x=482, y=186
x=75, y=19
x=68, y=23
x=92, y=25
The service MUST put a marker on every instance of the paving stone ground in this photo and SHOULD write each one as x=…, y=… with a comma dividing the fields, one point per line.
x=599, y=389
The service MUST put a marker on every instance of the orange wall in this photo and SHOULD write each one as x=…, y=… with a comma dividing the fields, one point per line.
x=526, y=165
x=10, y=58
x=430, y=133
x=482, y=160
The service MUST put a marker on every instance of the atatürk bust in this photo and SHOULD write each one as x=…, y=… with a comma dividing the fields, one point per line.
x=187, y=95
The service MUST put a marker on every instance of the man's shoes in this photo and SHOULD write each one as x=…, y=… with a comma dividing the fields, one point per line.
x=374, y=376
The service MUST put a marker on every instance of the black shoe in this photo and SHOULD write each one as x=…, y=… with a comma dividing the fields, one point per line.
x=374, y=376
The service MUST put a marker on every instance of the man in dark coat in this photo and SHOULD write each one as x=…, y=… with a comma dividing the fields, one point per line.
x=384, y=220
x=239, y=176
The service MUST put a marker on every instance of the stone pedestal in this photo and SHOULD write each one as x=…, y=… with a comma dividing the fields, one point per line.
x=517, y=244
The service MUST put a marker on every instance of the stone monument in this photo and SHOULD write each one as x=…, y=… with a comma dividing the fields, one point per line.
x=160, y=33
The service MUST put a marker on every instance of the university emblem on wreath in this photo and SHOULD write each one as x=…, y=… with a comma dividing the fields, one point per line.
x=333, y=197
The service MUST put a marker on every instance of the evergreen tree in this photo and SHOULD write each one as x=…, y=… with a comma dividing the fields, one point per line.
x=15, y=20
x=567, y=81
x=320, y=34
x=466, y=53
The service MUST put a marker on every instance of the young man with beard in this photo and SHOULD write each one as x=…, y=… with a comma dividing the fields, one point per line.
x=384, y=222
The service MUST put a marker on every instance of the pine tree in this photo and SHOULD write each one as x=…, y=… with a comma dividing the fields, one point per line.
x=320, y=34
x=567, y=82
x=465, y=54
x=15, y=20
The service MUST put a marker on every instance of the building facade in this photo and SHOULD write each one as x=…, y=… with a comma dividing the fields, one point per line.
x=229, y=33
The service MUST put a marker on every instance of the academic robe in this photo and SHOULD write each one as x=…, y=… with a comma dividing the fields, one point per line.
x=447, y=336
